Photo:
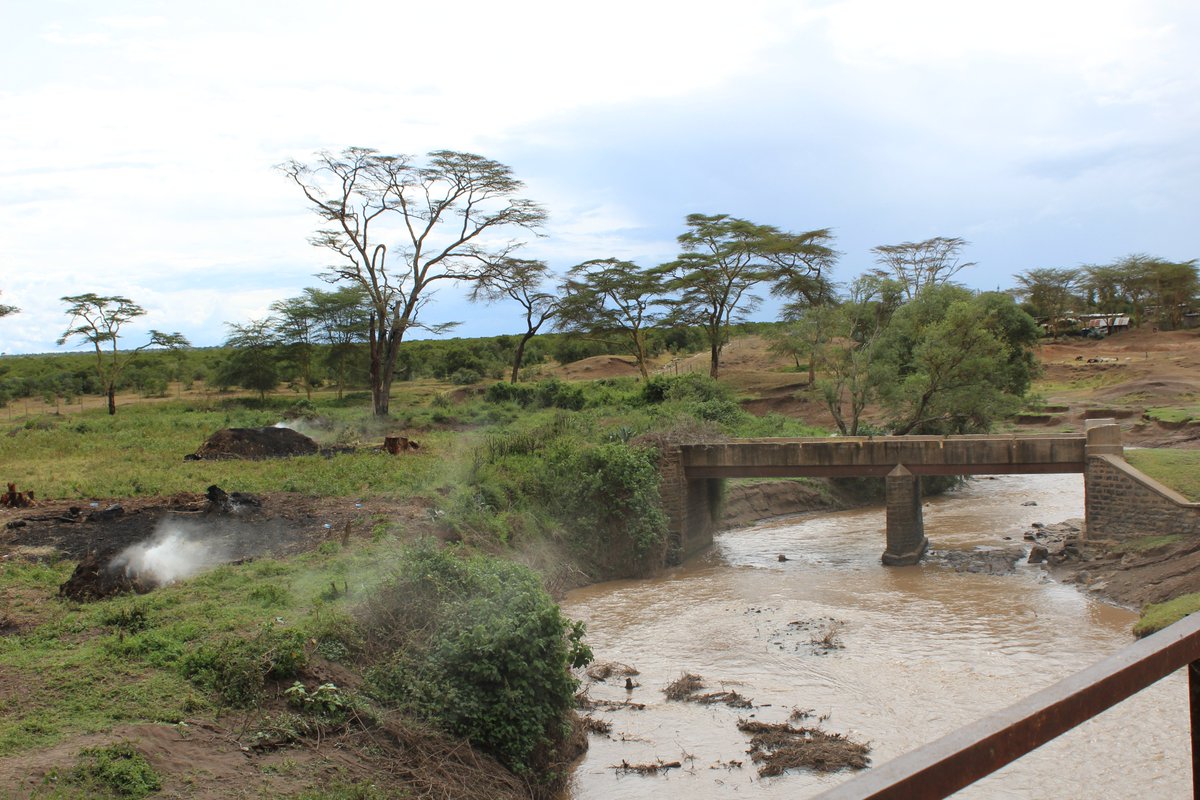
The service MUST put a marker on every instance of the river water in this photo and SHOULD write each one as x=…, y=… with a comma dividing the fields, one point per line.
x=925, y=650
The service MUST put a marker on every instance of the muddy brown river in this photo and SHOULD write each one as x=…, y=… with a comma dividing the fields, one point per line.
x=924, y=651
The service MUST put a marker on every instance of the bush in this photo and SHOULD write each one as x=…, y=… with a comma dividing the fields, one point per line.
x=549, y=393
x=465, y=377
x=608, y=496
x=689, y=387
x=115, y=771
x=476, y=646
x=237, y=669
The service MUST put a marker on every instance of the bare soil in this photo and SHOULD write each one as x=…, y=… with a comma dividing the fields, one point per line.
x=1122, y=376
x=227, y=760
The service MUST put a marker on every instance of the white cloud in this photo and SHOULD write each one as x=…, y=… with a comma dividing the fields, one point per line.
x=138, y=156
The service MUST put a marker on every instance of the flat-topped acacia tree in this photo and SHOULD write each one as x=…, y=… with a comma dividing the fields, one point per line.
x=725, y=258
x=97, y=320
x=450, y=213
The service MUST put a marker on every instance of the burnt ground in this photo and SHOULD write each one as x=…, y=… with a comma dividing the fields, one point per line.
x=278, y=524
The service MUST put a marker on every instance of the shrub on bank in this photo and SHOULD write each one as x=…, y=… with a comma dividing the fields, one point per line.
x=476, y=646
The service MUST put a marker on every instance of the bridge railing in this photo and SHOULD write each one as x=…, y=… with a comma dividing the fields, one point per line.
x=960, y=758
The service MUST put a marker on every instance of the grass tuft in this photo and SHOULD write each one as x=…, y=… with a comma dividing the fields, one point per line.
x=1157, y=616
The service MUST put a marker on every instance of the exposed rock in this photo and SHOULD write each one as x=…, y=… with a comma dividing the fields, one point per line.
x=1038, y=554
x=984, y=561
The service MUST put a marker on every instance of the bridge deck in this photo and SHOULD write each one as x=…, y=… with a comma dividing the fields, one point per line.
x=877, y=456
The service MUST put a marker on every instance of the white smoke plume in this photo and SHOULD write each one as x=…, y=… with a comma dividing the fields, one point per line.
x=175, y=552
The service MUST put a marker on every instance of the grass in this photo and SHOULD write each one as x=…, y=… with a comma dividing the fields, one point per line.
x=1157, y=616
x=140, y=452
x=1173, y=414
x=1179, y=469
x=1145, y=544
x=86, y=668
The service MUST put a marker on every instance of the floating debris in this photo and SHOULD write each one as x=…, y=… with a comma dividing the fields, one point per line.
x=683, y=687
x=646, y=769
x=687, y=687
x=603, y=670
x=778, y=747
x=593, y=725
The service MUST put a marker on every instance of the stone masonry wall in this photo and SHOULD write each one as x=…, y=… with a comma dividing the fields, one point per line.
x=673, y=489
x=1121, y=502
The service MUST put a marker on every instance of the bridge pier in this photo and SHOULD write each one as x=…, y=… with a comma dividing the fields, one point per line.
x=906, y=541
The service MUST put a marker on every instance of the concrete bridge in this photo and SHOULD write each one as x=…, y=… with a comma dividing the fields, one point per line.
x=692, y=473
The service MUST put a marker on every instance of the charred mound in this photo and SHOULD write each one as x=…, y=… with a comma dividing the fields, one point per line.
x=97, y=577
x=257, y=443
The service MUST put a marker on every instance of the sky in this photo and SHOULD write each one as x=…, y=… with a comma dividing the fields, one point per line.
x=139, y=140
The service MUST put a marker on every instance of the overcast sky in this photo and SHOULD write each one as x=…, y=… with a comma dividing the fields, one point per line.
x=138, y=139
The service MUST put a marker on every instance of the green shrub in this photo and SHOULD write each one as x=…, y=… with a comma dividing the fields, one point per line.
x=476, y=646
x=115, y=771
x=608, y=496
x=689, y=387
x=549, y=393
x=237, y=669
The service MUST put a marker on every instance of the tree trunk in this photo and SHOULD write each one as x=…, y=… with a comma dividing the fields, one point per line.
x=383, y=368
x=381, y=385
x=519, y=356
x=112, y=400
x=715, y=362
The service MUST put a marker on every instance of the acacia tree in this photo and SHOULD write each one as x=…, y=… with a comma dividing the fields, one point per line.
x=295, y=326
x=724, y=258
x=1050, y=292
x=1175, y=286
x=253, y=363
x=448, y=213
x=342, y=321
x=522, y=283
x=611, y=299
x=97, y=320
x=850, y=344
x=6, y=310
x=915, y=265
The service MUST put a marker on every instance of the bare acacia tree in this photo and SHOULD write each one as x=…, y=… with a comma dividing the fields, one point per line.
x=519, y=280
x=97, y=321
x=447, y=214
x=915, y=265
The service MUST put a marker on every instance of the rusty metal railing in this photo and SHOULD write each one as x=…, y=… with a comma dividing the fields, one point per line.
x=960, y=758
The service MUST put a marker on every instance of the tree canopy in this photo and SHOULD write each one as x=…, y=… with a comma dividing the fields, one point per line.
x=916, y=265
x=725, y=258
x=520, y=281
x=613, y=300
x=452, y=213
x=97, y=320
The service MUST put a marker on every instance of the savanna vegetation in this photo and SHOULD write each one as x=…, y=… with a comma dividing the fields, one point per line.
x=405, y=633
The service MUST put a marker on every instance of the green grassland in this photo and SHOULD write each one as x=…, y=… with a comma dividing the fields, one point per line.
x=1179, y=469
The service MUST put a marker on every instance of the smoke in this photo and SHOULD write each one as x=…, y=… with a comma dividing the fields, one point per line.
x=175, y=552
x=315, y=431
